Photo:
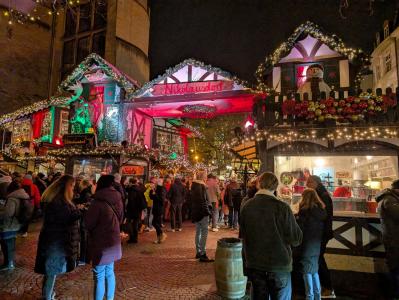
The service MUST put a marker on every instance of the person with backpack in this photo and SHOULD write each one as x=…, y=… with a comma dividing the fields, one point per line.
x=11, y=218
x=311, y=217
x=58, y=245
x=103, y=220
x=33, y=192
x=233, y=197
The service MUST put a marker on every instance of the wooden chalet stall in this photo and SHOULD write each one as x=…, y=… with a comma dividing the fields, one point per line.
x=348, y=139
x=158, y=113
x=97, y=142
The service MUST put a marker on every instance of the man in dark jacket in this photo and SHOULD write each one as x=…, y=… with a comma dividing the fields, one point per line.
x=176, y=197
x=158, y=197
x=388, y=207
x=269, y=230
x=136, y=203
x=314, y=182
x=201, y=210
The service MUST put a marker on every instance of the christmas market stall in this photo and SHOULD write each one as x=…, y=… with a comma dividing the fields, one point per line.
x=190, y=90
x=91, y=103
x=318, y=123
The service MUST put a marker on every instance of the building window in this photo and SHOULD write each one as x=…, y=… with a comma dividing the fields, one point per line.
x=386, y=31
x=377, y=38
x=388, y=63
x=85, y=29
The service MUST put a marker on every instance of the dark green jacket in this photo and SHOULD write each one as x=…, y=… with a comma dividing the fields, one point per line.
x=269, y=230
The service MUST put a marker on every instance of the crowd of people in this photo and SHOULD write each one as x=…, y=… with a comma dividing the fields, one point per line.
x=85, y=222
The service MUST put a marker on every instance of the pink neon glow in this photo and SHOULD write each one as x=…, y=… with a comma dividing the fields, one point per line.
x=242, y=104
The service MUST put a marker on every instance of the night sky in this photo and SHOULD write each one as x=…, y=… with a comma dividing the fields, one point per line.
x=236, y=35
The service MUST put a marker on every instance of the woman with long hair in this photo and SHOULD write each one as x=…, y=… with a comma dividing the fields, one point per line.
x=311, y=218
x=103, y=220
x=58, y=245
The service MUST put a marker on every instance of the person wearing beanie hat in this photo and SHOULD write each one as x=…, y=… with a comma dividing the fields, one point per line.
x=388, y=207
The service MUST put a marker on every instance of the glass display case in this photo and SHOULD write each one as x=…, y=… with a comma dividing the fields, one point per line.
x=92, y=168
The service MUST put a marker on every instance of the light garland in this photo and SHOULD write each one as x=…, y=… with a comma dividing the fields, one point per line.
x=41, y=10
x=32, y=108
x=287, y=135
x=332, y=41
x=181, y=65
x=121, y=79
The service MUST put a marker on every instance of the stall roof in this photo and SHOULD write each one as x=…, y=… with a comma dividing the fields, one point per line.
x=193, y=89
x=189, y=70
x=246, y=150
x=93, y=67
x=306, y=33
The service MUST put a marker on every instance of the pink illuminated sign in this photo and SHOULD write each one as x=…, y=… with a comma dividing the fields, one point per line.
x=192, y=87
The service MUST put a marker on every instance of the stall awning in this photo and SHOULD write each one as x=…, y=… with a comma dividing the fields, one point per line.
x=246, y=150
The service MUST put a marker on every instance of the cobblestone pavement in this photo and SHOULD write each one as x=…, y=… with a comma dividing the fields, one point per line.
x=146, y=271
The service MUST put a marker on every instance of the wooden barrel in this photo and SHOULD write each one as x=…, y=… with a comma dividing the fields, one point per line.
x=230, y=280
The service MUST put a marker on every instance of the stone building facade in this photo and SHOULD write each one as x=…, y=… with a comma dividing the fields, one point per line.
x=24, y=56
x=118, y=30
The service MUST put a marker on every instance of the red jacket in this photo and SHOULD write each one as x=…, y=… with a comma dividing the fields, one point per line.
x=32, y=190
x=342, y=191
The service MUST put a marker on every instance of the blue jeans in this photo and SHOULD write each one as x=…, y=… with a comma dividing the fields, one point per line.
x=312, y=286
x=101, y=274
x=233, y=217
x=270, y=285
x=201, y=234
x=48, y=287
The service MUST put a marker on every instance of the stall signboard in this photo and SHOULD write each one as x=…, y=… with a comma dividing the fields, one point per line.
x=192, y=87
x=343, y=175
x=79, y=140
x=133, y=170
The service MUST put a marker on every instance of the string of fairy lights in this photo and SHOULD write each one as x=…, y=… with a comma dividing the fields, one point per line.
x=41, y=10
x=287, y=135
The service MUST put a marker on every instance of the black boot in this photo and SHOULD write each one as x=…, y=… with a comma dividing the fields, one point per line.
x=205, y=258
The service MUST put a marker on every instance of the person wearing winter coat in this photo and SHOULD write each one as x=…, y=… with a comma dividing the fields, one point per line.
x=40, y=183
x=4, y=183
x=158, y=197
x=269, y=230
x=103, y=220
x=388, y=208
x=311, y=217
x=58, y=245
x=233, y=197
x=176, y=196
x=9, y=223
x=314, y=182
x=136, y=203
x=213, y=195
x=201, y=211
x=34, y=193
